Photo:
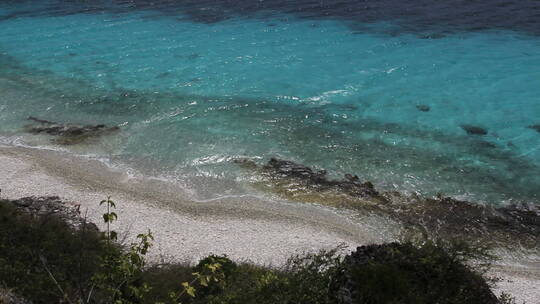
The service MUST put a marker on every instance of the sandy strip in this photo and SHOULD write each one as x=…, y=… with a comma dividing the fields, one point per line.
x=249, y=228
x=243, y=228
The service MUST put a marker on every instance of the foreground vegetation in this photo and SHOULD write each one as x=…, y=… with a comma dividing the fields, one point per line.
x=45, y=260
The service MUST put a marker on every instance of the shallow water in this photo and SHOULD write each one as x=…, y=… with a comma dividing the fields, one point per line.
x=194, y=86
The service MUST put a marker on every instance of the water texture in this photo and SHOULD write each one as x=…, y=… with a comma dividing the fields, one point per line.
x=415, y=16
x=382, y=89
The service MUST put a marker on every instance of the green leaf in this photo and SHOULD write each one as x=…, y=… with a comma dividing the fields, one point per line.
x=204, y=281
x=190, y=290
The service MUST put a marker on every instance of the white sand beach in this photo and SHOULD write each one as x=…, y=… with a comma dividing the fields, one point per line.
x=245, y=228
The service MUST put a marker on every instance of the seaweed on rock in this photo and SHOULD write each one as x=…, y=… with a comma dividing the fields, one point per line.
x=69, y=134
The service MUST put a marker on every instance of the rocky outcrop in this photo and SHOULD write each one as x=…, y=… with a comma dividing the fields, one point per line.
x=430, y=216
x=52, y=206
x=318, y=178
x=69, y=134
x=449, y=218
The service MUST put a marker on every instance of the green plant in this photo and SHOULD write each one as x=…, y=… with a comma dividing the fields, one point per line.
x=108, y=218
x=209, y=272
x=119, y=277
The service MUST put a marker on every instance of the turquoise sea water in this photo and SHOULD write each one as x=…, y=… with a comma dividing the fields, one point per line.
x=333, y=93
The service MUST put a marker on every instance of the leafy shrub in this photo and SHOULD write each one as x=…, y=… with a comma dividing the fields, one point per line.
x=303, y=279
x=218, y=283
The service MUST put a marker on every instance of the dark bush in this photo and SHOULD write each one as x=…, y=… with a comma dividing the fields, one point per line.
x=165, y=278
x=226, y=270
x=405, y=273
x=227, y=266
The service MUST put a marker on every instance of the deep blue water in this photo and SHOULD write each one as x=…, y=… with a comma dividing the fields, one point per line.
x=331, y=84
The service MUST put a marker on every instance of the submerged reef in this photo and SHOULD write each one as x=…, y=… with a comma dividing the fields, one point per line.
x=423, y=108
x=445, y=17
x=535, y=127
x=474, y=130
x=69, y=134
x=503, y=226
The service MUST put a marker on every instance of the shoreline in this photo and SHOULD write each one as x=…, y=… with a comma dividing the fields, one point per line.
x=219, y=226
x=245, y=228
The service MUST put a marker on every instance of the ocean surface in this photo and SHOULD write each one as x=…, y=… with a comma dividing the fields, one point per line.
x=381, y=89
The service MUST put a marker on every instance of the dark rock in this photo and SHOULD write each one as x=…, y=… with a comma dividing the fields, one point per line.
x=193, y=56
x=317, y=179
x=163, y=75
x=41, y=120
x=474, y=130
x=287, y=168
x=23, y=202
x=486, y=144
x=8, y=297
x=423, y=108
x=245, y=162
x=535, y=127
x=448, y=217
x=352, y=178
x=368, y=185
x=433, y=36
x=69, y=133
x=53, y=206
x=526, y=217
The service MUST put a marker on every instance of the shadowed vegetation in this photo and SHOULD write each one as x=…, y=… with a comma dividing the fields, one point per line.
x=45, y=260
